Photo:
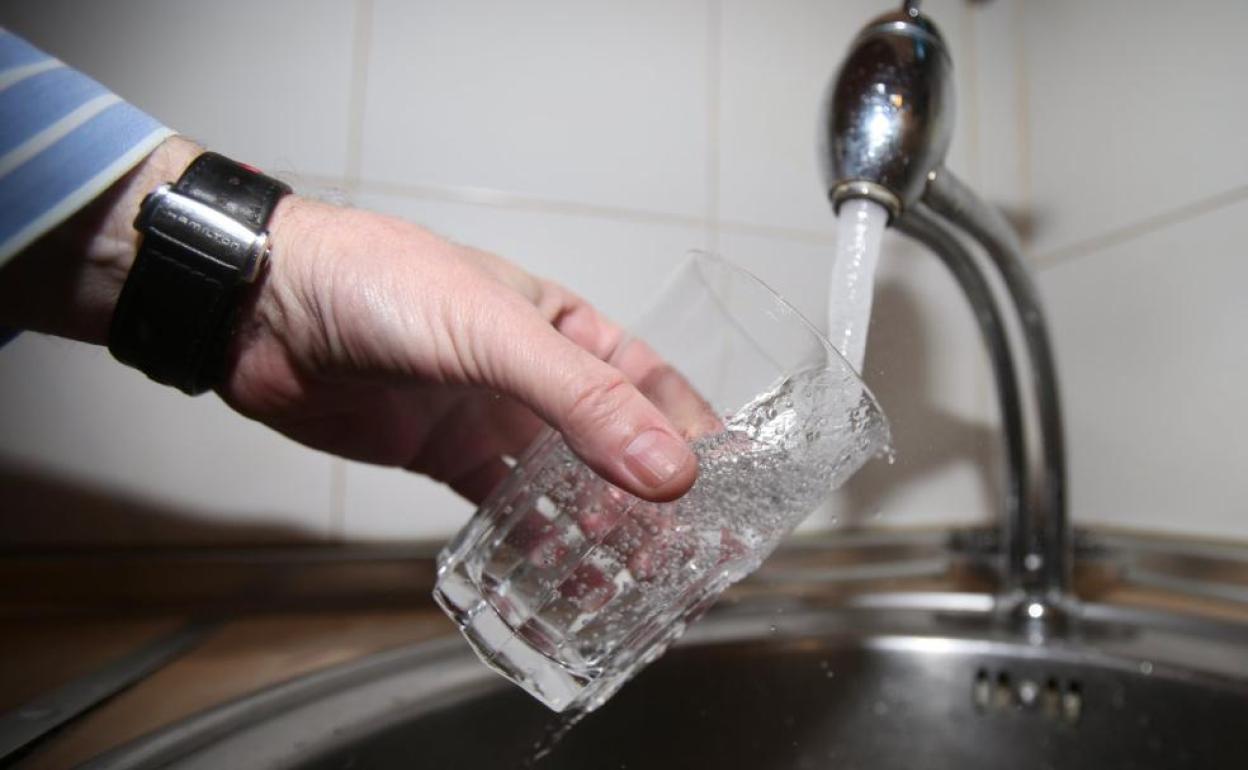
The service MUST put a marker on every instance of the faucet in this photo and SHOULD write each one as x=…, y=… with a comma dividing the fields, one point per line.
x=885, y=129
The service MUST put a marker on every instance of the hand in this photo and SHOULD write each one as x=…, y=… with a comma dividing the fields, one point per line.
x=374, y=339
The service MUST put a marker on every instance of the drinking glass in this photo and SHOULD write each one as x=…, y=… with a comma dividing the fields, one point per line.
x=568, y=585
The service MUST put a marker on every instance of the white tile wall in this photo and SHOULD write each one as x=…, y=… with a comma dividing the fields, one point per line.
x=584, y=100
x=1154, y=369
x=591, y=141
x=175, y=469
x=1137, y=175
x=1136, y=109
x=997, y=148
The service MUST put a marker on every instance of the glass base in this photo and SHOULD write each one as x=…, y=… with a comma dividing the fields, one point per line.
x=501, y=648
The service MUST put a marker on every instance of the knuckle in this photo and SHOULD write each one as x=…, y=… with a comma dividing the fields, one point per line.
x=599, y=401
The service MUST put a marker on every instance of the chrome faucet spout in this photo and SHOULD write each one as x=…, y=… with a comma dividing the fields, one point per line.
x=888, y=116
x=886, y=128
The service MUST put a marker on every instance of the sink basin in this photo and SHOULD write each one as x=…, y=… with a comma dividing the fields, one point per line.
x=923, y=681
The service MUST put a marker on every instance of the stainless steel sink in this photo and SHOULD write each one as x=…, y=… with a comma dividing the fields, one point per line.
x=884, y=681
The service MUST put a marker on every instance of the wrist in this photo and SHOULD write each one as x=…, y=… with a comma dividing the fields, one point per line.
x=204, y=241
x=67, y=283
x=112, y=246
x=274, y=319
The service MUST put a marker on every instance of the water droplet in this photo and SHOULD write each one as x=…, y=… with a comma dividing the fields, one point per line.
x=1146, y=667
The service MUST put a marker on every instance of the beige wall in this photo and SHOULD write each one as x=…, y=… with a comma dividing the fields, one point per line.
x=595, y=142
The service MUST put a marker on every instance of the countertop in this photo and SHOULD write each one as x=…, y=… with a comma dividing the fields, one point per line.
x=239, y=656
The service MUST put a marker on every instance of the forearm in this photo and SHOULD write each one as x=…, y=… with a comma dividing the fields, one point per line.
x=67, y=282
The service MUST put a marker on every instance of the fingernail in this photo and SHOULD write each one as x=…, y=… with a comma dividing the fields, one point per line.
x=655, y=457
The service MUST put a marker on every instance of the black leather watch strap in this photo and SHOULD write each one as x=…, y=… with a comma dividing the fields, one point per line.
x=175, y=314
x=232, y=188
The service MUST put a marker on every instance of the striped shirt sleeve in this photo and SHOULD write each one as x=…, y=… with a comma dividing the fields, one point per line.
x=64, y=139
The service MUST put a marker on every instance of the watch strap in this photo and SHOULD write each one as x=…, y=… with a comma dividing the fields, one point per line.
x=232, y=188
x=174, y=317
x=170, y=315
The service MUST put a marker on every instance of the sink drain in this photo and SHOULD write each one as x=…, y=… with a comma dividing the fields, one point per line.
x=1001, y=692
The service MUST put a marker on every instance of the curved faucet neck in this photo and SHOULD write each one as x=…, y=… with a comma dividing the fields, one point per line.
x=887, y=126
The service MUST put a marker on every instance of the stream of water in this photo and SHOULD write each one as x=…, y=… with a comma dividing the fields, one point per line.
x=860, y=228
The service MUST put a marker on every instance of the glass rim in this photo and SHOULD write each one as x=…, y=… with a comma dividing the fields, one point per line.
x=702, y=258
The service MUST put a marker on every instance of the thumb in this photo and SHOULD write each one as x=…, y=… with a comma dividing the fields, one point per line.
x=603, y=417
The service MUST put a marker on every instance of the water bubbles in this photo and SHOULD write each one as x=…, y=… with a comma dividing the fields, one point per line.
x=593, y=569
x=1146, y=667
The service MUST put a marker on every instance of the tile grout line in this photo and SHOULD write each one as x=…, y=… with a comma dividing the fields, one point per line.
x=337, y=499
x=476, y=196
x=361, y=51
x=514, y=202
x=1146, y=226
x=714, y=55
x=492, y=198
x=1018, y=23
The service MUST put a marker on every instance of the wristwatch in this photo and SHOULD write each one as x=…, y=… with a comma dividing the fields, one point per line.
x=203, y=242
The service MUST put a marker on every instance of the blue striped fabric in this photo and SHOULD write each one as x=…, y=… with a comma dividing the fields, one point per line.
x=48, y=178
x=64, y=139
x=36, y=102
x=15, y=52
